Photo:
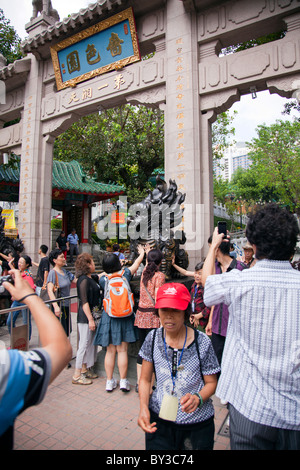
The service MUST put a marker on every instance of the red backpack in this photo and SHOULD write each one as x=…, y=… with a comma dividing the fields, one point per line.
x=118, y=301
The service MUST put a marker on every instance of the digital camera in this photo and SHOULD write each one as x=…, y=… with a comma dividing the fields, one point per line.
x=7, y=278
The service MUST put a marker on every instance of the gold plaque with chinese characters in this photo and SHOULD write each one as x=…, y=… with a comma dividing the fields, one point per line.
x=109, y=45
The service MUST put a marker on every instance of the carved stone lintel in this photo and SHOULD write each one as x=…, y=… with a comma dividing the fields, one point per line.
x=285, y=86
x=296, y=95
x=10, y=137
x=153, y=97
x=220, y=101
x=56, y=126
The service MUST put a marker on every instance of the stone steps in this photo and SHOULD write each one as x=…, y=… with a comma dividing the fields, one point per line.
x=98, y=265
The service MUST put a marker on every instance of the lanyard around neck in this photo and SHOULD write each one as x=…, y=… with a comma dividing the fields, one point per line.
x=173, y=377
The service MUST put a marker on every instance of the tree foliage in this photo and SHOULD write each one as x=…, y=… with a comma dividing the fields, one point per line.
x=124, y=145
x=292, y=106
x=242, y=46
x=247, y=186
x=222, y=134
x=275, y=154
x=9, y=40
x=274, y=174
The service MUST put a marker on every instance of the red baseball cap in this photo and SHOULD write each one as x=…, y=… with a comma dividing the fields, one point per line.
x=173, y=295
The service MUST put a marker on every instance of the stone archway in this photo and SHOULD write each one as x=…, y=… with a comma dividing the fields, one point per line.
x=186, y=77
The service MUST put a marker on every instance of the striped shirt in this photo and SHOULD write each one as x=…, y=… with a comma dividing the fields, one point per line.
x=261, y=361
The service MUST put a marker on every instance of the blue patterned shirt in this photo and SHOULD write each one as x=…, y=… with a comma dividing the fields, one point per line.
x=188, y=378
x=261, y=360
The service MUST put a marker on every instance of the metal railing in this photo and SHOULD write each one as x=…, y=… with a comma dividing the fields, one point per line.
x=24, y=340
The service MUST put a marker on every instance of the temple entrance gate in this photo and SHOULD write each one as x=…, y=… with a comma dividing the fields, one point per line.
x=186, y=77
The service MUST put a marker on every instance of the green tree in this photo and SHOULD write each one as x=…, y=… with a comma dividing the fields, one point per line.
x=222, y=137
x=221, y=189
x=247, y=186
x=222, y=134
x=124, y=145
x=275, y=154
x=9, y=40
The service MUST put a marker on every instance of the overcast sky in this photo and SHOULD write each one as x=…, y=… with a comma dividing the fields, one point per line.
x=265, y=109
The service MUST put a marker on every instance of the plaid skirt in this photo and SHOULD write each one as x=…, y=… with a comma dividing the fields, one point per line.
x=115, y=331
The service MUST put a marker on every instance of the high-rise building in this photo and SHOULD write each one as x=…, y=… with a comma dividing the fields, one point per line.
x=235, y=156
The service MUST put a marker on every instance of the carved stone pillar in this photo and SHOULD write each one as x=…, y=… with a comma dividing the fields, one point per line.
x=183, y=160
x=35, y=195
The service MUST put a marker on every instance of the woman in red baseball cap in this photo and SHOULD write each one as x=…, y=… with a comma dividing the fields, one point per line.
x=179, y=414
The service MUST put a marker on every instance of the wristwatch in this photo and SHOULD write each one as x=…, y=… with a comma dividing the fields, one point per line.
x=200, y=398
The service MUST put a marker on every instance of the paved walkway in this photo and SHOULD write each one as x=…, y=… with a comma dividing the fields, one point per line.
x=75, y=417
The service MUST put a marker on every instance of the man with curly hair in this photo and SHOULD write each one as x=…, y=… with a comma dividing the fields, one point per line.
x=261, y=361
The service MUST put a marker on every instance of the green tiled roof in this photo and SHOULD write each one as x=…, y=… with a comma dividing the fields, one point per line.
x=9, y=175
x=67, y=176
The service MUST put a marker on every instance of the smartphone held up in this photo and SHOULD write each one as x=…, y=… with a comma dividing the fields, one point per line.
x=222, y=228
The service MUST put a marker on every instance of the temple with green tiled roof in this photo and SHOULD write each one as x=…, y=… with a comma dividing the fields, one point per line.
x=73, y=193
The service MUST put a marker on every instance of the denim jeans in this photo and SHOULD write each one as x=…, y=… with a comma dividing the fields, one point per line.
x=16, y=313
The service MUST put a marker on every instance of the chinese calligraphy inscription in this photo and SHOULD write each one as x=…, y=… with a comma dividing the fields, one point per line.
x=73, y=62
x=91, y=52
x=179, y=64
x=114, y=45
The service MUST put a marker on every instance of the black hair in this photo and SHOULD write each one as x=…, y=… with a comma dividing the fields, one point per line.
x=111, y=263
x=225, y=248
x=116, y=247
x=53, y=255
x=154, y=258
x=44, y=249
x=199, y=266
x=15, y=256
x=274, y=231
x=27, y=260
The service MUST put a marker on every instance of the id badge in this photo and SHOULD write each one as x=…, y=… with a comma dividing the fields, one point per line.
x=169, y=408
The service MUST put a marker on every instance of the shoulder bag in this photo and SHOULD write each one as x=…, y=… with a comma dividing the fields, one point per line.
x=44, y=291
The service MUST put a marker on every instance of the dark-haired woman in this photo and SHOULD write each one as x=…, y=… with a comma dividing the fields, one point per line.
x=89, y=296
x=65, y=278
x=24, y=264
x=114, y=334
x=152, y=279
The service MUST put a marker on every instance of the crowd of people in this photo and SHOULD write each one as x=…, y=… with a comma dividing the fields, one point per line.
x=235, y=333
